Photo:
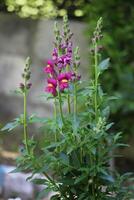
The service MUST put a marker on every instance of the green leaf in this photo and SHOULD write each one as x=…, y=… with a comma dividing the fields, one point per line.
x=106, y=112
x=80, y=178
x=108, y=178
x=67, y=181
x=10, y=126
x=64, y=158
x=117, y=136
x=108, y=126
x=104, y=64
x=82, y=196
x=39, y=181
x=43, y=193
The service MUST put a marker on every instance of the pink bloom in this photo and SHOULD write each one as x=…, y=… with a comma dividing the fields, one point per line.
x=60, y=62
x=49, y=69
x=51, y=87
x=55, y=54
x=63, y=61
x=63, y=79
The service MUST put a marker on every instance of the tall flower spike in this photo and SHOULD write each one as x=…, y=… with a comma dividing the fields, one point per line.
x=97, y=33
x=26, y=76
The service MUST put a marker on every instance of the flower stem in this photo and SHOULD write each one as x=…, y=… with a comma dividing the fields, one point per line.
x=60, y=106
x=96, y=82
x=75, y=104
x=68, y=101
x=55, y=116
x=96, y=111
x=68, y=96
x=25, y=121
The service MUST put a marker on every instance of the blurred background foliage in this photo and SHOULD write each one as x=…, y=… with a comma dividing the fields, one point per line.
x=45, y=8
x=118, y=31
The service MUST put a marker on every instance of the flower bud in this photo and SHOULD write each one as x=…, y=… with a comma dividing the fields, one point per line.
x=92, y=51
x=100, y=48
x=21, y=85
x=78, y=77
x=29, y=85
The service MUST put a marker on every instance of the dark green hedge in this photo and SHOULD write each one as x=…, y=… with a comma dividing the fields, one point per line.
x=118, y=19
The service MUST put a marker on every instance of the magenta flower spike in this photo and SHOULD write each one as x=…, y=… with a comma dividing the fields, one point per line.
x=61, y=68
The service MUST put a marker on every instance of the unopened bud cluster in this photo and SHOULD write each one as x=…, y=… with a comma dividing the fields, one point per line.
x=97, y=36
x=26, y=76
x=67, y=34
x=77, y=57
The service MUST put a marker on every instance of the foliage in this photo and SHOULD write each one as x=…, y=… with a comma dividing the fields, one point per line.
x=32, y=8
x=118, y=41
x=75, y=162
x=46, y=8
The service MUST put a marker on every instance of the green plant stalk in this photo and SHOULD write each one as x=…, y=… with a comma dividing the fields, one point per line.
x=96, y=82
x=55, y=116
x=68, y=102
x=68, y=97
x=60, y=106
x=96, y=108
x=75, y=102
x=25, y=120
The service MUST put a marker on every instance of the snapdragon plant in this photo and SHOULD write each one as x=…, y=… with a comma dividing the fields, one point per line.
x=75, y=163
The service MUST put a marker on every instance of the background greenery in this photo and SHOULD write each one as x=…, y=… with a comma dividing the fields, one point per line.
x=118, y=18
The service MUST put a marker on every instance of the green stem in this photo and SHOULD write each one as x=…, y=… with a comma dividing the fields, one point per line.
x=68, y=101
x=55, y=116
x=96, y=110
x=95, y=105
x=25, y=121
x=96, y=82
x=60, y=106
x=68, y=96
x=75, y=103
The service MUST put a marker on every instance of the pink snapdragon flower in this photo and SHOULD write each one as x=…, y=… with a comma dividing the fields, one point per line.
x=63, y=80
x=49, y=69
x=63, y=61
x=55, y=55
x=51, y=87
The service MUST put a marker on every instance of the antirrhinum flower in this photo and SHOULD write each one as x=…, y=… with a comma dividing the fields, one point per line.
x=55, y=55
x=63, y=80
x=63, y=61
x=51, y=87
x=49, y=69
